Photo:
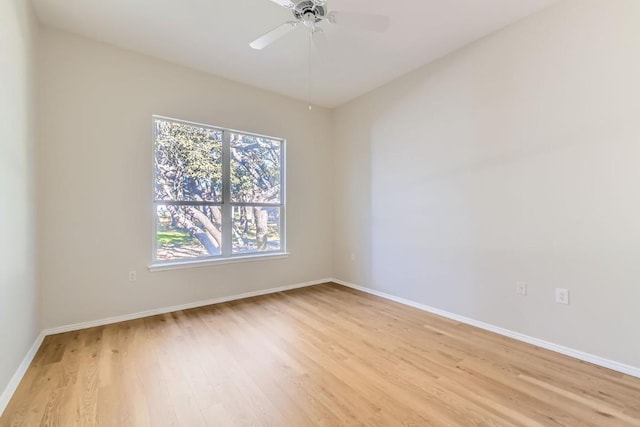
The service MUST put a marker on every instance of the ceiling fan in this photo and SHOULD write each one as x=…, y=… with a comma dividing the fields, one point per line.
x=312, y=12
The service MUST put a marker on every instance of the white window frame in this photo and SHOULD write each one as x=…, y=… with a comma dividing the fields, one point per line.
x=226, y=206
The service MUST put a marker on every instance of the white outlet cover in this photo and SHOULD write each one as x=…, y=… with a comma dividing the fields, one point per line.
x=562, y=296
x=521, y=288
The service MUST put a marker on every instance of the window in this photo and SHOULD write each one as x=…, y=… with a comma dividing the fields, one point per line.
x=218, y=193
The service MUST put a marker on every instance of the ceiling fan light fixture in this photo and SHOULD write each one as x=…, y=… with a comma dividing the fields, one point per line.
x=309, y=19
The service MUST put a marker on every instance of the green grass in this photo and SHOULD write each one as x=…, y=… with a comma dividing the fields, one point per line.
x=174, y=238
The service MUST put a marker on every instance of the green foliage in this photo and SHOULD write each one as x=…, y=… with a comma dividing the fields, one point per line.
x=188, y=162
x=255, y=169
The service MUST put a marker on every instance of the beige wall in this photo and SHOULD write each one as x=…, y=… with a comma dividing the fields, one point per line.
x=19, y=319
x=96, y=162
x=516, y=158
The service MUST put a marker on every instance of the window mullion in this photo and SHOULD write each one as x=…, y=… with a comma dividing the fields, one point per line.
x=283, y=193
x=227, y=220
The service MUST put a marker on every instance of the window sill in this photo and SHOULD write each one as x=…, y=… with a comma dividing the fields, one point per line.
x=214, y=262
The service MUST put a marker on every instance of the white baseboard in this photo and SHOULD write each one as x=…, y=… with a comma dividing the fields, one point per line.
x=5, y=397
x=164, y=310
x=577, y=354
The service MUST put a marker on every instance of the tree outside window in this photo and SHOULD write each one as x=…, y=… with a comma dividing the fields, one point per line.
x=218, y=193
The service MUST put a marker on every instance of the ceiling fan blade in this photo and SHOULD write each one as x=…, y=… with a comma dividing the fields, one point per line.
x=273, y=35
x=363, y=21
x=285, y=3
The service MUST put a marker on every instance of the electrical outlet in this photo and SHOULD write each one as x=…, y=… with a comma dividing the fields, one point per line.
x=521, y=288
x=353, y=256
x=562, y=296
x=133, y=276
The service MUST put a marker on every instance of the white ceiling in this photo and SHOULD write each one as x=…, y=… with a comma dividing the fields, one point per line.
x=214, y=36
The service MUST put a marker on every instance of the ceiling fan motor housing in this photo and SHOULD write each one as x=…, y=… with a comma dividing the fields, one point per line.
x=309, y=7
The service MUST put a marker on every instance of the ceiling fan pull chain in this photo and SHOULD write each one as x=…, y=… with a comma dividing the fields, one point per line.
x=309, y=75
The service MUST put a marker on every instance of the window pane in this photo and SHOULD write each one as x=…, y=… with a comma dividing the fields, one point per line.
x=255, y=229
x=255, y=169
x=188, y=162
x=188, y=231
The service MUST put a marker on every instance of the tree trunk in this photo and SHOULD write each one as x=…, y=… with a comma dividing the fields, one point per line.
x=207, y=224
x=205, y=239
x=261, y=227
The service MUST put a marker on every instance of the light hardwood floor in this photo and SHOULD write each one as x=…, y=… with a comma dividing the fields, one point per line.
x=324, y=355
